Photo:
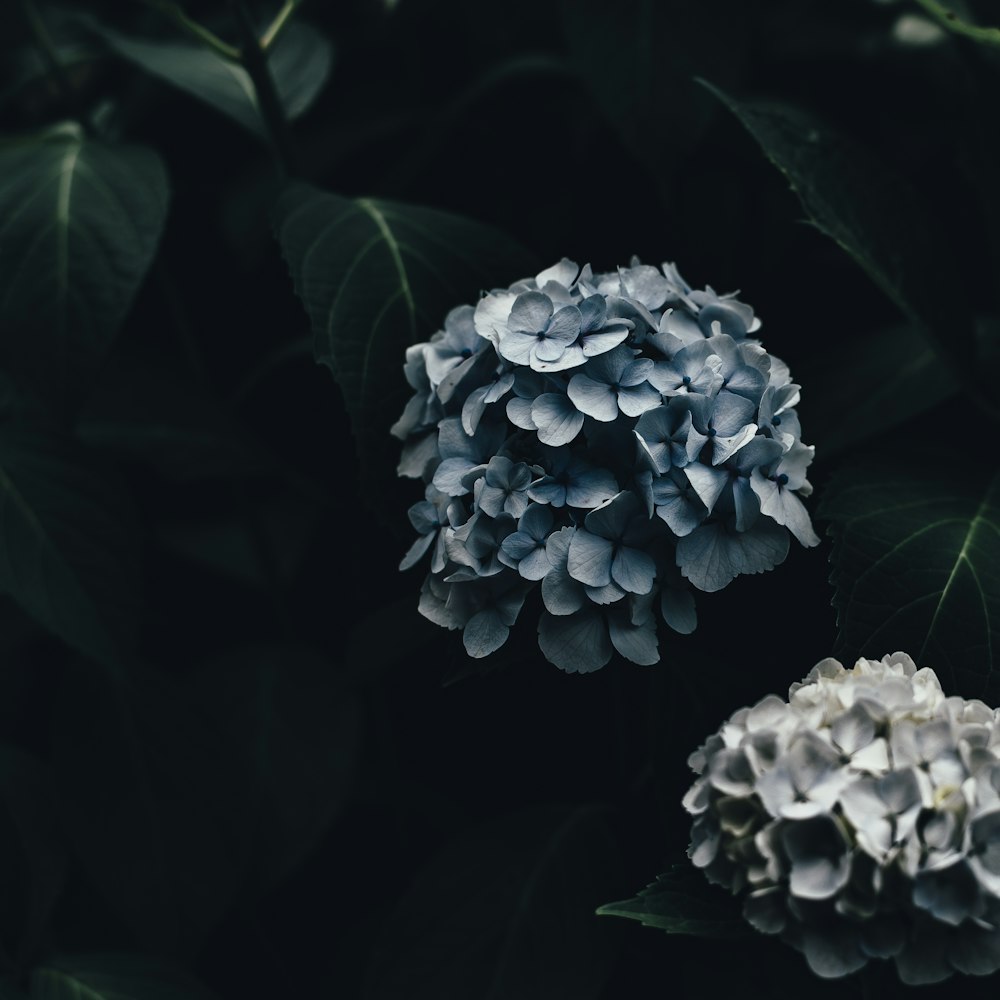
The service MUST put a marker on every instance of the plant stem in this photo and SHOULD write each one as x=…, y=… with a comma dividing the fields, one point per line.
x=176, y=13
x=255, y=63
x=281, y=19
x=950, y=20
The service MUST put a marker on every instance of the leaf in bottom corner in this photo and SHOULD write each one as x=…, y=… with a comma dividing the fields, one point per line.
x=113, y=977
x=506, y=912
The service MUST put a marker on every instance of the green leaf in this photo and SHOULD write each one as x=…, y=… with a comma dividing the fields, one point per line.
x=267, y=542
x=113, y=977
x=300, y=63
x=33, y=863
x=506, y=913
x=163, y=421
x=916, y=567
x=681, y=902
x=893, y=376
x=297, y=730
x=69, y=550
x=145, y=793
x=870, y=212
x=639, y=58
x=376, y=276
x=81, y=220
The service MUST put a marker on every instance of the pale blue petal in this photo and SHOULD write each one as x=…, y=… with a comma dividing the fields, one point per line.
x=416, y=550
x=784, y=507
x=602, y=341
x=590, y=559
x=638, y=643
x=635, y=400
x=577, y=643
x=519, y=413
x=530, y=312
x=712, y=557
x=591, y=488
x=678, y=610
x=485, y=633
x=564, y=273
x=608, y=594
x=633, y=570
x=596, y=399
x=707, y=481
x=724, y=448
x=557, y=419
x=492, y=314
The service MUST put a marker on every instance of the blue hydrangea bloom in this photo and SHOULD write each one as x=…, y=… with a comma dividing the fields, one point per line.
x=619, y=441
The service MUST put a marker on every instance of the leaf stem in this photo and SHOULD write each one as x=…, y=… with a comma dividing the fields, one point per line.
x=950, y=20
x=281, y=20
x=254, y=61
x=176, y=13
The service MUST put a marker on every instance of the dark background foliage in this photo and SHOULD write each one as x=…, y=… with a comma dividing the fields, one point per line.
x=233, y=757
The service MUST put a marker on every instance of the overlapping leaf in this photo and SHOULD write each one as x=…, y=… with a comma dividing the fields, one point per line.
x=300, y=64
x=376, y=276
x=916, y=567
x=872, y=213
x=80, y=221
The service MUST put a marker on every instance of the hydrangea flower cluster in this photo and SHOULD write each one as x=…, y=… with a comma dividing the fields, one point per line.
x=860, y=819
x=614, y=439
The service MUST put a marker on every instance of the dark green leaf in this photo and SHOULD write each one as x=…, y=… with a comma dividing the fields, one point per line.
x=296, y=730
x=872, y=213
x=165, y=422
x=81, y=223
x=33, y=863
x=376, y=276
x=266, y=543
x=113, y=977
x=145, y=791
x=681, y=902
x=639, y=58
x=300, y=64
x=69, y=549
x=506, y=913
x=916, y=567
x=893, y=376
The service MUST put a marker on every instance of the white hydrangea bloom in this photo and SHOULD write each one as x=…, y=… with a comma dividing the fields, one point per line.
x=859, y=819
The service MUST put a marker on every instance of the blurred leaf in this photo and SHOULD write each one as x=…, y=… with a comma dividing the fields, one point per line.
x=506, y=913
x=681, y=902
x=81, y=223
x=146, y=788
x=893, y=376
x=33, y=863
x=916, y=567
x=159, y=419
x=639, y=58
x=375, y=277
x=286, y=713
x=870, y=212
x=269, y=535
x=300, y=63
x=113, y=977
x=69, y=552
